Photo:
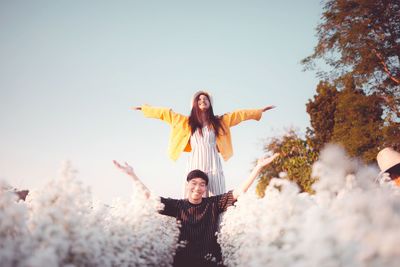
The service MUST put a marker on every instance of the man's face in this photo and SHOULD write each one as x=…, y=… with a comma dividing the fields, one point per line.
x=196, y=188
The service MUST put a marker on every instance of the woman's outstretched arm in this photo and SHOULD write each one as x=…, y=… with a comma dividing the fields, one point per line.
x=164, y=114
x=235, y=117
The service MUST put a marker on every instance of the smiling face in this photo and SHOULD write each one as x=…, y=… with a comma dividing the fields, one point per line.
x=196, y=187
x=203, y=102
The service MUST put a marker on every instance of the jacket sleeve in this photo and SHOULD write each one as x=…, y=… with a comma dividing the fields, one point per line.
x=164, y=114
x=237, y=116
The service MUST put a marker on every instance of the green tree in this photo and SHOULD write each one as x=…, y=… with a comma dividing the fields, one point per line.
x=296, y=159
x=361, y=38
x=349, y=117
x=321, y=110
x=358, y=122
x=391, y=134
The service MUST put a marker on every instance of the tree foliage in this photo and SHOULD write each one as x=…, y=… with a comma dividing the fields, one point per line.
x=296, y=158
x=362, y=38
x=349, y=117
x=391, y=133
x=321, y=110
x=357, y=103
x=358, y=122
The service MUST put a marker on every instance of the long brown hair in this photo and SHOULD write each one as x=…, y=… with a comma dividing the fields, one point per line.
x=194, y=118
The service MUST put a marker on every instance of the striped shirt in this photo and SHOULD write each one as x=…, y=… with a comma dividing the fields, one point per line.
x=199, y=224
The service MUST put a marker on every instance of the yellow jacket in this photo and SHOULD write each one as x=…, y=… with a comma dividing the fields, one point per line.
x=180, y=129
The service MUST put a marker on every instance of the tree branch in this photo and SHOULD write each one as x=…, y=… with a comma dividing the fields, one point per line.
x=391, y=104
x=385, y=67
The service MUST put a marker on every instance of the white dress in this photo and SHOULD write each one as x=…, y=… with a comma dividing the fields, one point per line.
x=204, y=156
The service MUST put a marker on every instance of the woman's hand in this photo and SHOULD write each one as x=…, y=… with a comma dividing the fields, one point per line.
x=136, y=108
x=267, y=108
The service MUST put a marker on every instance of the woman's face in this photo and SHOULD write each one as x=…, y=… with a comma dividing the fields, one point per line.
x=203, y=102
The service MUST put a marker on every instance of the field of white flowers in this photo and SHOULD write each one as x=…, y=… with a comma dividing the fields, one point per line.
x=61, y=226
x=349, y=221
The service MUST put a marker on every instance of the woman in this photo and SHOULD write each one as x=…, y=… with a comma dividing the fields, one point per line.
x=203, y=134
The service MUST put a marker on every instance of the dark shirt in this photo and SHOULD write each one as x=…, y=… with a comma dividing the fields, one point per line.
x=199, y=224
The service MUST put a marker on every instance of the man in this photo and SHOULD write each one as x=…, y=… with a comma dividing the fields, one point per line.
x=199, y=216
x=389, y=162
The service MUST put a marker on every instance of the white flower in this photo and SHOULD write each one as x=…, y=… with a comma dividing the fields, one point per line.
x=350, y=221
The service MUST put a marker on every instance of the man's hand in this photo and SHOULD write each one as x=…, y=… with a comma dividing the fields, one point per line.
x=264, y=161
x=127, y=168
x=261, y=163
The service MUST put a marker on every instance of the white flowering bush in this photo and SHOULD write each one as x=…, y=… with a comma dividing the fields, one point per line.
x=59, y=225
x=151, y=237
x=14, y=234
x=349, y=221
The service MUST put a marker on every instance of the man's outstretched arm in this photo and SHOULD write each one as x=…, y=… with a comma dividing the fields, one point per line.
x=129, y=170
x=261, y=163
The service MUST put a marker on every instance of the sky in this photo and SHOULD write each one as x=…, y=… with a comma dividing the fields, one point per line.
x=71, y=70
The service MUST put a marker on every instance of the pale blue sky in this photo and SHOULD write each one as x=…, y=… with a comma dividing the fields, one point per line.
x=70, y=70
